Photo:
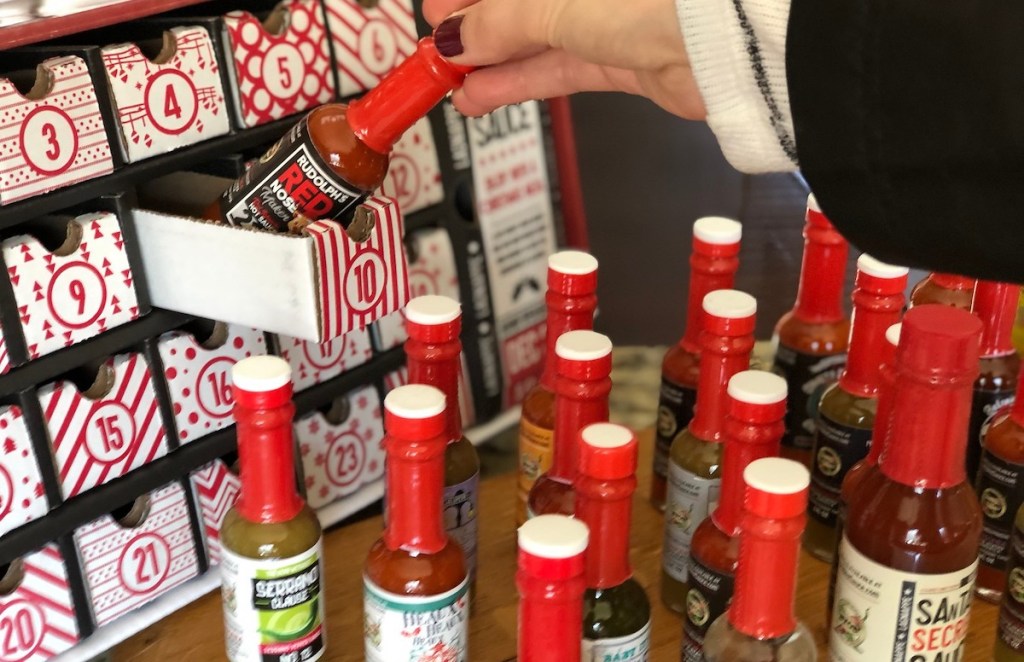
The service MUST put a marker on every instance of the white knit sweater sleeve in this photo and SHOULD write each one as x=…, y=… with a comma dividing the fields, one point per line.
x=737, y=50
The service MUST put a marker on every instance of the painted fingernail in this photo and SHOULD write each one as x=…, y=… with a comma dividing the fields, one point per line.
x=448, y=36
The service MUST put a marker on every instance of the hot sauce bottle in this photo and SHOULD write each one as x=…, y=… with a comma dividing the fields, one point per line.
x=760, y=625
x=571, y=301
x=415, y=585
x=1010, y=635
x=272, y=570
x=583, y=363
x=909, y=553
x=433, y=352
x=753, y=430
x=551, y=583
x=810, y=340
x=695, y=460
x=944, y=289
x=846, y=414
x=338, y=154
x=995, y=304
x=616, y=612
x=713, y=264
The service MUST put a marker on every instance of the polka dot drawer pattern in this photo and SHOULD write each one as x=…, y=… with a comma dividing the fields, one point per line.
x=22, y=496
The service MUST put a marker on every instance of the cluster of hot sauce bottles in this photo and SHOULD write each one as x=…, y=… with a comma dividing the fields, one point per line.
x=889, y=442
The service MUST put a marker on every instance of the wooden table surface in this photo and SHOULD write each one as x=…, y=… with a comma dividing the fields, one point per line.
x=195, y=634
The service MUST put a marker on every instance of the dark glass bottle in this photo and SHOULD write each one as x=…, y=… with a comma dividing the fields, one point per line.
x=945, y=290
x=753, y=430
x=1010, y=635
x=713, y=264
x=616, y=612
x=571, y=300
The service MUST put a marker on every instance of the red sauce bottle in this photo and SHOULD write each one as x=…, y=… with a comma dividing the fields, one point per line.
x=713, y=265
x=753, y=430
x=583, y=362
x=415, y=585
x=944, y=289
x=909, y=554
x=571, y=301
x=810, y=340
x=551, y=582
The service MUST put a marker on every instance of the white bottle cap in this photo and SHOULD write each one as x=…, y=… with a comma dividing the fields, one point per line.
x=729, y=304
x=757, y=387
x=606, y=435
x=572, y=263
x=776, y=475
x=812, y=203
x=258, y=374
x=432, y=309
x=583, y=345
x=553, y=537
x=717, y=230
x=414, y=401
x=879, y=269
x=892, y=334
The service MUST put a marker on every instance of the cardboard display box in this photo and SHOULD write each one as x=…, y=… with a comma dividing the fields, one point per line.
x=368, y=42
x=37, y=617
x=216, y=489
x=313, y=363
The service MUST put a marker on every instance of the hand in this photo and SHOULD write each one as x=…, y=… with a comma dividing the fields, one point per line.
x=536, y=49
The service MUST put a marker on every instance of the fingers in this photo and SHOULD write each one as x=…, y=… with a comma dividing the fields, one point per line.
x=436, y=11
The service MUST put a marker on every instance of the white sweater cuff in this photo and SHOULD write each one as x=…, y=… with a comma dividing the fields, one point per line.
x=737, y=51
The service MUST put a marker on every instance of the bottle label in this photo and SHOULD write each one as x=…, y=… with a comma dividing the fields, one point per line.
x=460, y=510
x=1011, y=611
x=1000, y=490
x=837, y=448
x=807, y=377
x=290, y=179
x=886, y=615
x=707, y=598
x=675, y=411
x=632, y=648
x=413, y=628
x=690, y=499
x=535, y=454
x=272, y=608
x=985, y=407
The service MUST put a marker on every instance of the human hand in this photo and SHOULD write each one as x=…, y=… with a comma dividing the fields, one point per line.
x=536, y=49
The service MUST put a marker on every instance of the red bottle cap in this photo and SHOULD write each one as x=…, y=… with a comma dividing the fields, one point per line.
x=729, y=313
x=572, y=273
x=608, y=451
x=995, y=304
x=756, y=396
x=938, y=345
x=552, y=547
x=433, y=319
x=584, y=355
x=776, y=488
x=877, y=277
x=262, y=381
x=414, y=412
x=716, y=236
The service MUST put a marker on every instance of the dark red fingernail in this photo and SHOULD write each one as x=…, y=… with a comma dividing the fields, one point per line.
x=448, y=36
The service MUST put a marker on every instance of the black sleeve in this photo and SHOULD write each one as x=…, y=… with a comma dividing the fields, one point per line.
x=909, y=119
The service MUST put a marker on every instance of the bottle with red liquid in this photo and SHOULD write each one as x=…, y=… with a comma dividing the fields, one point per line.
x=571, y=301
x=551, y=583
x=753, y=430
x=1010, y=635
x=338, y=154
x=434, y=356
x=713, y=264
x=945, y=290
x=846, y=414
x=909, y=554
x=995, y=304
x=695, y=459
x=415, y=584
x=761, y=624
x=583, y=363
x=810, y=340
x=616, y=611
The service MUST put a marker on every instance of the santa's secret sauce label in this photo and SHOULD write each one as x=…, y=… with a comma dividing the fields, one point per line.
x=885, y=615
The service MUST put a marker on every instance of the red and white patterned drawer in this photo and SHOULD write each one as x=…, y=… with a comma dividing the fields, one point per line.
x=313, y=363
x=98, y=440
x=414, y=176
x=65, y=299
x=277, y=75
x=199, y=378
x=368, y=43
x=339, y=459
x=55, y=141
x=216, y=489
x=37, y=619
x=22, y=496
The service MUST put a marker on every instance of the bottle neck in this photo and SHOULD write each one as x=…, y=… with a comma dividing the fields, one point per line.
x=872, y=315
x=721, y=358
x=578, y=403
x=822, y=271
x=745, y=442
x=550, y=608
x=415, y=482
x=712, y=267
x=439, y=364
x=566, y=312
x=606, y=506
x=266, y=456
x=995, y=304
x=883, y=412
x=951, y=281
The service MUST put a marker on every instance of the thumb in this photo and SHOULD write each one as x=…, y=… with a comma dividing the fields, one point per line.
x=495, y=31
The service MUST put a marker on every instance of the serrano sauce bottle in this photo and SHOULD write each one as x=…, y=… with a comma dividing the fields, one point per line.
x=753, y=430
x=434, y=355
x=571, y=301
x=713, y=264
x=695, y=460
x=846, y=415
x=415, y=586
x=272, y=570
x=1010, y=635
x=551, y=582
x=909, y=553
x=944, y=289
x=616, y=612
x=760, y=625
x=338, y=154
x=583, y=365
x=810, y=340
